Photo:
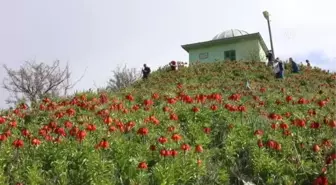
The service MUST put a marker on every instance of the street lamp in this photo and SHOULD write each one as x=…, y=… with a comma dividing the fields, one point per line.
x=266, y=15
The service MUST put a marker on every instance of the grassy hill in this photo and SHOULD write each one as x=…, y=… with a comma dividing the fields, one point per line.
x=198, y=125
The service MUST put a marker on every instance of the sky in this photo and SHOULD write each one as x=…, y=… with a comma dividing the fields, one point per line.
x=94, y=37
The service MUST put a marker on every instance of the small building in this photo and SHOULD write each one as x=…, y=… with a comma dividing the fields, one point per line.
x=234, y=44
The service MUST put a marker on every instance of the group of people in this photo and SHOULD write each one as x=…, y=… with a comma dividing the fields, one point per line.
x=279, y=66
x=173, y=67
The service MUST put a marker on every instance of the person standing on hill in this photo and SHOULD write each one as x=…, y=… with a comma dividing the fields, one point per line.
x=280, y=74
x=269, y=56
x=295, y=67
x=173, y=65
x=145, y=71
x=308, y=64
x=278, y=68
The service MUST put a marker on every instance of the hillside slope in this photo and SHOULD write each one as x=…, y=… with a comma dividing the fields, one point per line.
x=198, y=125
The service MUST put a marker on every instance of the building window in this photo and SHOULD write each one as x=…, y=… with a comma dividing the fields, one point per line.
x=203, y=55
x=230, y=55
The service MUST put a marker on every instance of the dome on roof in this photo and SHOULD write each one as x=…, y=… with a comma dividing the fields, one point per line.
x=230, y=33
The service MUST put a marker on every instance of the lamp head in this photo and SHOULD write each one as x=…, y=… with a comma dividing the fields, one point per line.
x=266, y=15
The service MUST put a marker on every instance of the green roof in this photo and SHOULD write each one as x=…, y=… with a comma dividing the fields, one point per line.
x=229, y=40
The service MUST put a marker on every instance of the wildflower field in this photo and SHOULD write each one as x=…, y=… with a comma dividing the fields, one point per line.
x=198, y=125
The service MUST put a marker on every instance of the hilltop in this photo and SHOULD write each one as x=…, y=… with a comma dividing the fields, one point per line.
x=198, y=125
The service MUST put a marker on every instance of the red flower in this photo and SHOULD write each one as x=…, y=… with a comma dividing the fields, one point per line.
x=143, y=131
x=142, y=165
x=173, y=117
x=242, y=108
x=2, y=120
x=148, y=103
x=74, y=131
x=207, y=130
x=171, y=129
x=327, y=143
x=129, y=97
x=332, y=123
x=171, y=100
x=71, y=112
x=176, y=137
x=278, y=146
x=316, y=148
x=155, y=96
x=174, y=153
x=199, y=148
x=321, y=180
x=199, y=162
x=302, y=101
x=258, y=132
x=103, y=144
x=287, y=132
x=162, y=140
x=260, y=143
x=322, y=103
x=18, y=143
x=179, y=86
x=25, y=132
x=3, y=137
x=274, y=126
x=315, y=125
x=13, y=124
x=81, y=135
x=274, y=116
x=284, y=126
x=271, y=144
x=67, y=124
x=166, y=109
x=108, y=120
x=91, y=127
x=214, y=107
x=185, y=147
x=195, y=109
x=135, y=107
x=36, y=142
x=60, y=131
x=287, y=114
x=299, y=122
x=263, y=89
x=112, y=128
x=164, y=153
x=289, y=98
x=235, y=97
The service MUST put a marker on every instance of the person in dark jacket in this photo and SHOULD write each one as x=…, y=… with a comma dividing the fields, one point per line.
x=145, y=71
x=308, y=64
x=295, y=67
x=269, y=57
x=280, y=68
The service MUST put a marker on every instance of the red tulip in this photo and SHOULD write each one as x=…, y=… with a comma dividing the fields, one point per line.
x=143, y=131
x=316, y=148
x=18, y=143
x=142, y=165
x=176, y=137
x=162, y=140
x=199, y=148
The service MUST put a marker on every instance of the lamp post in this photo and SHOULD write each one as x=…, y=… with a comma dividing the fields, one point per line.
x=266, y=15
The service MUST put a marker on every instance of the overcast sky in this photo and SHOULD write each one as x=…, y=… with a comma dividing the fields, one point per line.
x=99, y=35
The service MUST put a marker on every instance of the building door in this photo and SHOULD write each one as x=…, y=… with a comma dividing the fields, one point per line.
x=230, y=55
